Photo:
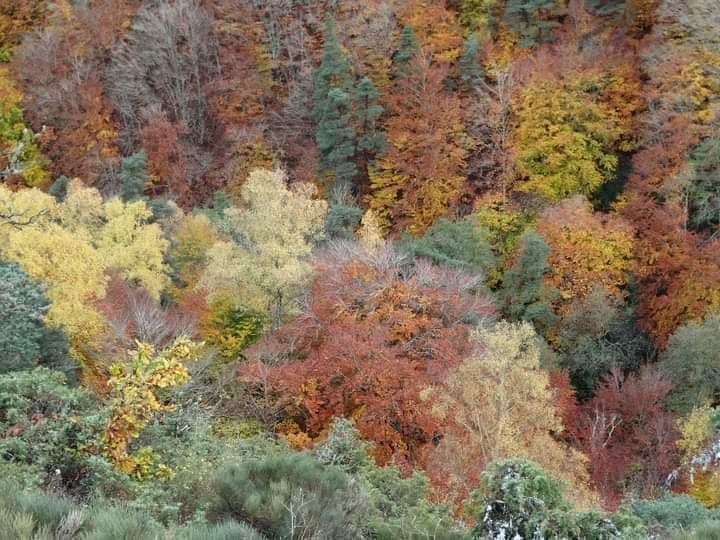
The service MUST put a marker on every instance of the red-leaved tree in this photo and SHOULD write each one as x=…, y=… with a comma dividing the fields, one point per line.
x=627, y=435
x=377, y=330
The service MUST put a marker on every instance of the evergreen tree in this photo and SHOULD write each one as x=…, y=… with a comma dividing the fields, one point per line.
x=470, y=71
x=703, y=190
x=522, y=293
x=405, y=53
x=342, y=220
x=22, y=308
x=133, y=176
x=59, y=188
x=335, y=137
x=332, y=106
x=372, y=140
x=531, y=20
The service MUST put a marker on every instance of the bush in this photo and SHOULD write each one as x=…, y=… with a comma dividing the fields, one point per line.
x=47, y=426
x=118, y=523
x=673, y=512
x=710, y=530
x=291, y=496
x=399, y=507
x=225, y=531
x=521, y=501
x=44, y=516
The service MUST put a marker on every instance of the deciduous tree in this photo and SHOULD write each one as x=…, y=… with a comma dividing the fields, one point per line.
x=498, y=404
x=586, y=249
x=565, y=140
x=376, y=332
x=422, y=173
x=265, y=264
x=692, y=361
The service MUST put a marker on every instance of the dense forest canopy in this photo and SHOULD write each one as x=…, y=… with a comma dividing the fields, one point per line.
x=331, y=269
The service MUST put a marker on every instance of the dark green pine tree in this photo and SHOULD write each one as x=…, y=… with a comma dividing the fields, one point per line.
x=335, y=138
x=22, y=308
x=406, y=52
x=332, y=111
x=25, y=340
x=59, y=188
x=522, y=295
x=133, y=176
x=531, y=20
x=372, y=140
x=471, y=73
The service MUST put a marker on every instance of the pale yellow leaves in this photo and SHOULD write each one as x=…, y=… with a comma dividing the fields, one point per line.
x=370, y=233
x=499, y=405
x=70, y=246
x=264, y=267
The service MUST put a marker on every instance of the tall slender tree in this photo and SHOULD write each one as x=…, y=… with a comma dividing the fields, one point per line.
x=333, y=98
x=406, y=51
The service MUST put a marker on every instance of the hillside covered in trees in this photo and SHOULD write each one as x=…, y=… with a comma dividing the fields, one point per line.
x=342, y=269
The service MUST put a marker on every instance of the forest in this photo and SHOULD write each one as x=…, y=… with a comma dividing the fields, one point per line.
x=363, y=270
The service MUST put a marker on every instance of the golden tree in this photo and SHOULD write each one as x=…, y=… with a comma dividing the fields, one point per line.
x=499, y=404
x=266, y=266
x=135, y=387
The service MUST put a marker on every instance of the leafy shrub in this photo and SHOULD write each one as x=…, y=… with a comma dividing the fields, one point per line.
x=399, y=508
x=678, y=511
x=48, y=425
x=710, y=530
x=229, y=530
x=290, y=496
x=521, y=501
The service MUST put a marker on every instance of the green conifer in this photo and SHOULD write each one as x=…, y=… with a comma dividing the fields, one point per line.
x=469, y=65
x=405, y=53
x=332, y=111
x=133, y=176
x=372, y=139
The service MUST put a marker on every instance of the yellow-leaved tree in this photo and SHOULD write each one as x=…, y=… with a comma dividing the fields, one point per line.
x=264, y=264
x=70, y=245
x=499, y=404
x=134, y=387
x=567, y=136
x=587, y=249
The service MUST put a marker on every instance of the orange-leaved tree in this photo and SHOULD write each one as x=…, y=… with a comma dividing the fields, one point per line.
x=422, y=173
x=376, y=332
x=587, y=249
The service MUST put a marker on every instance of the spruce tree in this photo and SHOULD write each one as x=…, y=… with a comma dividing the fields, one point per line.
x=522, y=294
x=372, y=140
x=406, y=52
x=332, y=111
x=531, y=20
x=335, y=138
x=469, y=65
x=133, y=176
x=59, y=188
x=22, y=308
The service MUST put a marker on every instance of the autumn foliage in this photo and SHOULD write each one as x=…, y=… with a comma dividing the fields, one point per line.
x=376, y=332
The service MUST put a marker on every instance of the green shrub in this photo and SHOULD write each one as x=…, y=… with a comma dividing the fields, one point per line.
x=399, y=508
x=229, y=530
x=710, y=530
x=118, y=523
x=48, y=426
x=290, y=496
x=522, y=501
x=673, y=512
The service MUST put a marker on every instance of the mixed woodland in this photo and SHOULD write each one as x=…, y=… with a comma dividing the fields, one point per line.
x=341, y=269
